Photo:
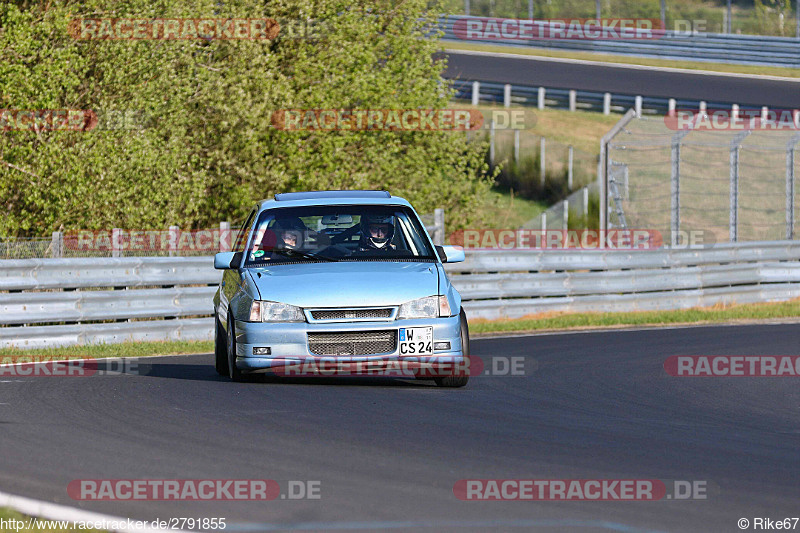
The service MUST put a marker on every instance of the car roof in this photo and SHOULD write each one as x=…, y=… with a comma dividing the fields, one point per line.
x=355, y=197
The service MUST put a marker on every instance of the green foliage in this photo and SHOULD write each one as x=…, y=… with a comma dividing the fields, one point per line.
x=204, y=150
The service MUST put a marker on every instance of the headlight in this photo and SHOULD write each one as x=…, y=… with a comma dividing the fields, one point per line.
x=275, y=312
x=428, y=307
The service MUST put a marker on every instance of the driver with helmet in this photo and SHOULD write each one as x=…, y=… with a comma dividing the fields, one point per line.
x=376, y=233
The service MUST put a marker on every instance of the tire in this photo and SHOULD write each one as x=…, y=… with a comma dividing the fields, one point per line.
x=233, y=372
x=220, y=349
x=458, y=381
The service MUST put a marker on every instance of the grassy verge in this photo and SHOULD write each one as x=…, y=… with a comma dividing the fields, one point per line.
x=8, y=514
x=505, y=209
x=644, y=61
x=575, y=321
x=125, y=349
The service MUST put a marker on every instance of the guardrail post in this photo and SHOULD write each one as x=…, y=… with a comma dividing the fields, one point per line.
x=573, y=100
x=491, y=142
x=764, y=113
x=791, y=154
x=507, y=95
x=565, y=222
x=637, y=103
x=540, y=98
x=544, y=221
x=116, y=246
x=607, y=103
x=516, y=147
x=225, y=236
x=57, y=244
x=542, y=161
x=703, y=106
x=174, y=232
x=733, y=218
x=735, y=112
x=570, y=156
x=675, y=181
x=438, y=220
x=671, y=107
x=466, y=7
x=476, y=92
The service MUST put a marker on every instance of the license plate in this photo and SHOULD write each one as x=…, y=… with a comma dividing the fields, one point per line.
x=416, y=341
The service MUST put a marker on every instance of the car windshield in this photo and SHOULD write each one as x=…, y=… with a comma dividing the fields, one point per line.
x=338, y=233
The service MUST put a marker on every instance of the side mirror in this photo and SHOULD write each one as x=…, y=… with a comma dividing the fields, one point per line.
x=227, y=260
x=450, y=254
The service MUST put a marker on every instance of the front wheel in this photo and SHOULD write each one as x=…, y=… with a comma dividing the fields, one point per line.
x=462, y=377
x=234, y=373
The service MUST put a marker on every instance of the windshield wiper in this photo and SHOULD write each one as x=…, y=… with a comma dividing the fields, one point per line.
x=305, y=255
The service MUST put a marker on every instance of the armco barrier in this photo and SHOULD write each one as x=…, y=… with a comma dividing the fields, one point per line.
x=54, y=302
x=708, y=47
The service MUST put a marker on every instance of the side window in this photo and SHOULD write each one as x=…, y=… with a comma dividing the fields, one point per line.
x=241, y=239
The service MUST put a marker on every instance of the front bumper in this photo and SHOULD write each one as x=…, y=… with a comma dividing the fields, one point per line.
x=288, y=342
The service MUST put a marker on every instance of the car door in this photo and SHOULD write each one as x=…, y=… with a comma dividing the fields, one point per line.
x=232, y=278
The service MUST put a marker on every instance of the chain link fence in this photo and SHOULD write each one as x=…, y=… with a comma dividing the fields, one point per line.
x=722, y=185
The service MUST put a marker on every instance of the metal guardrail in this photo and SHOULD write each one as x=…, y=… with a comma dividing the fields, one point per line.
x=54, y=302
x=573, y=99
x=705, y=47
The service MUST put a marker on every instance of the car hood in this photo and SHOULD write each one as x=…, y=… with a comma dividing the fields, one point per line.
x=346, y=284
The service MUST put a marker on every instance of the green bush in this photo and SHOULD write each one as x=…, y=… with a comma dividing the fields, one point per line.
x=207, y=149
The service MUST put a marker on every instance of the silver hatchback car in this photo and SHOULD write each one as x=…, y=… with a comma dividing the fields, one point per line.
x=344, y=276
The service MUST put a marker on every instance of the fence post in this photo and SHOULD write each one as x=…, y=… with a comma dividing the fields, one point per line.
x=466, y=7
x=570, y=157
x=173, y=240
x=565, y=222
x=57, y=244
x=542, y=168
x=735, y=111
x=703, y=106
x=733, y=217
x=671, y=107
x=438, y=220
x=586, y=205
x=115, y=244
x=675, y=181
x=507, y=95
x=791, y=154
x=476, y=92
x=516, y=147
x=764, y=114
x=607, y=104
x=491, y=142
x=573, y=99
x=540, y=98
x=544, y=221
x=225, y=236
x=638, y=106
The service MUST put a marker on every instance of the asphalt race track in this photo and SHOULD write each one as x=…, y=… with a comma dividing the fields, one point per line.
x=388, y=452
x=535, y=72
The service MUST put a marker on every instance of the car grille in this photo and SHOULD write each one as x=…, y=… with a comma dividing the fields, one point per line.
x=350, y=314
x=353, y=343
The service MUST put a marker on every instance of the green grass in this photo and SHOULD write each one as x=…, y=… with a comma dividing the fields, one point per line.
x=125, y=349
x=645, y=61
x=710, y=315
x=507, y=210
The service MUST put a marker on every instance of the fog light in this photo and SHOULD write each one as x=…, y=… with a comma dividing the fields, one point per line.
x=262, y=350
x=441, y=345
